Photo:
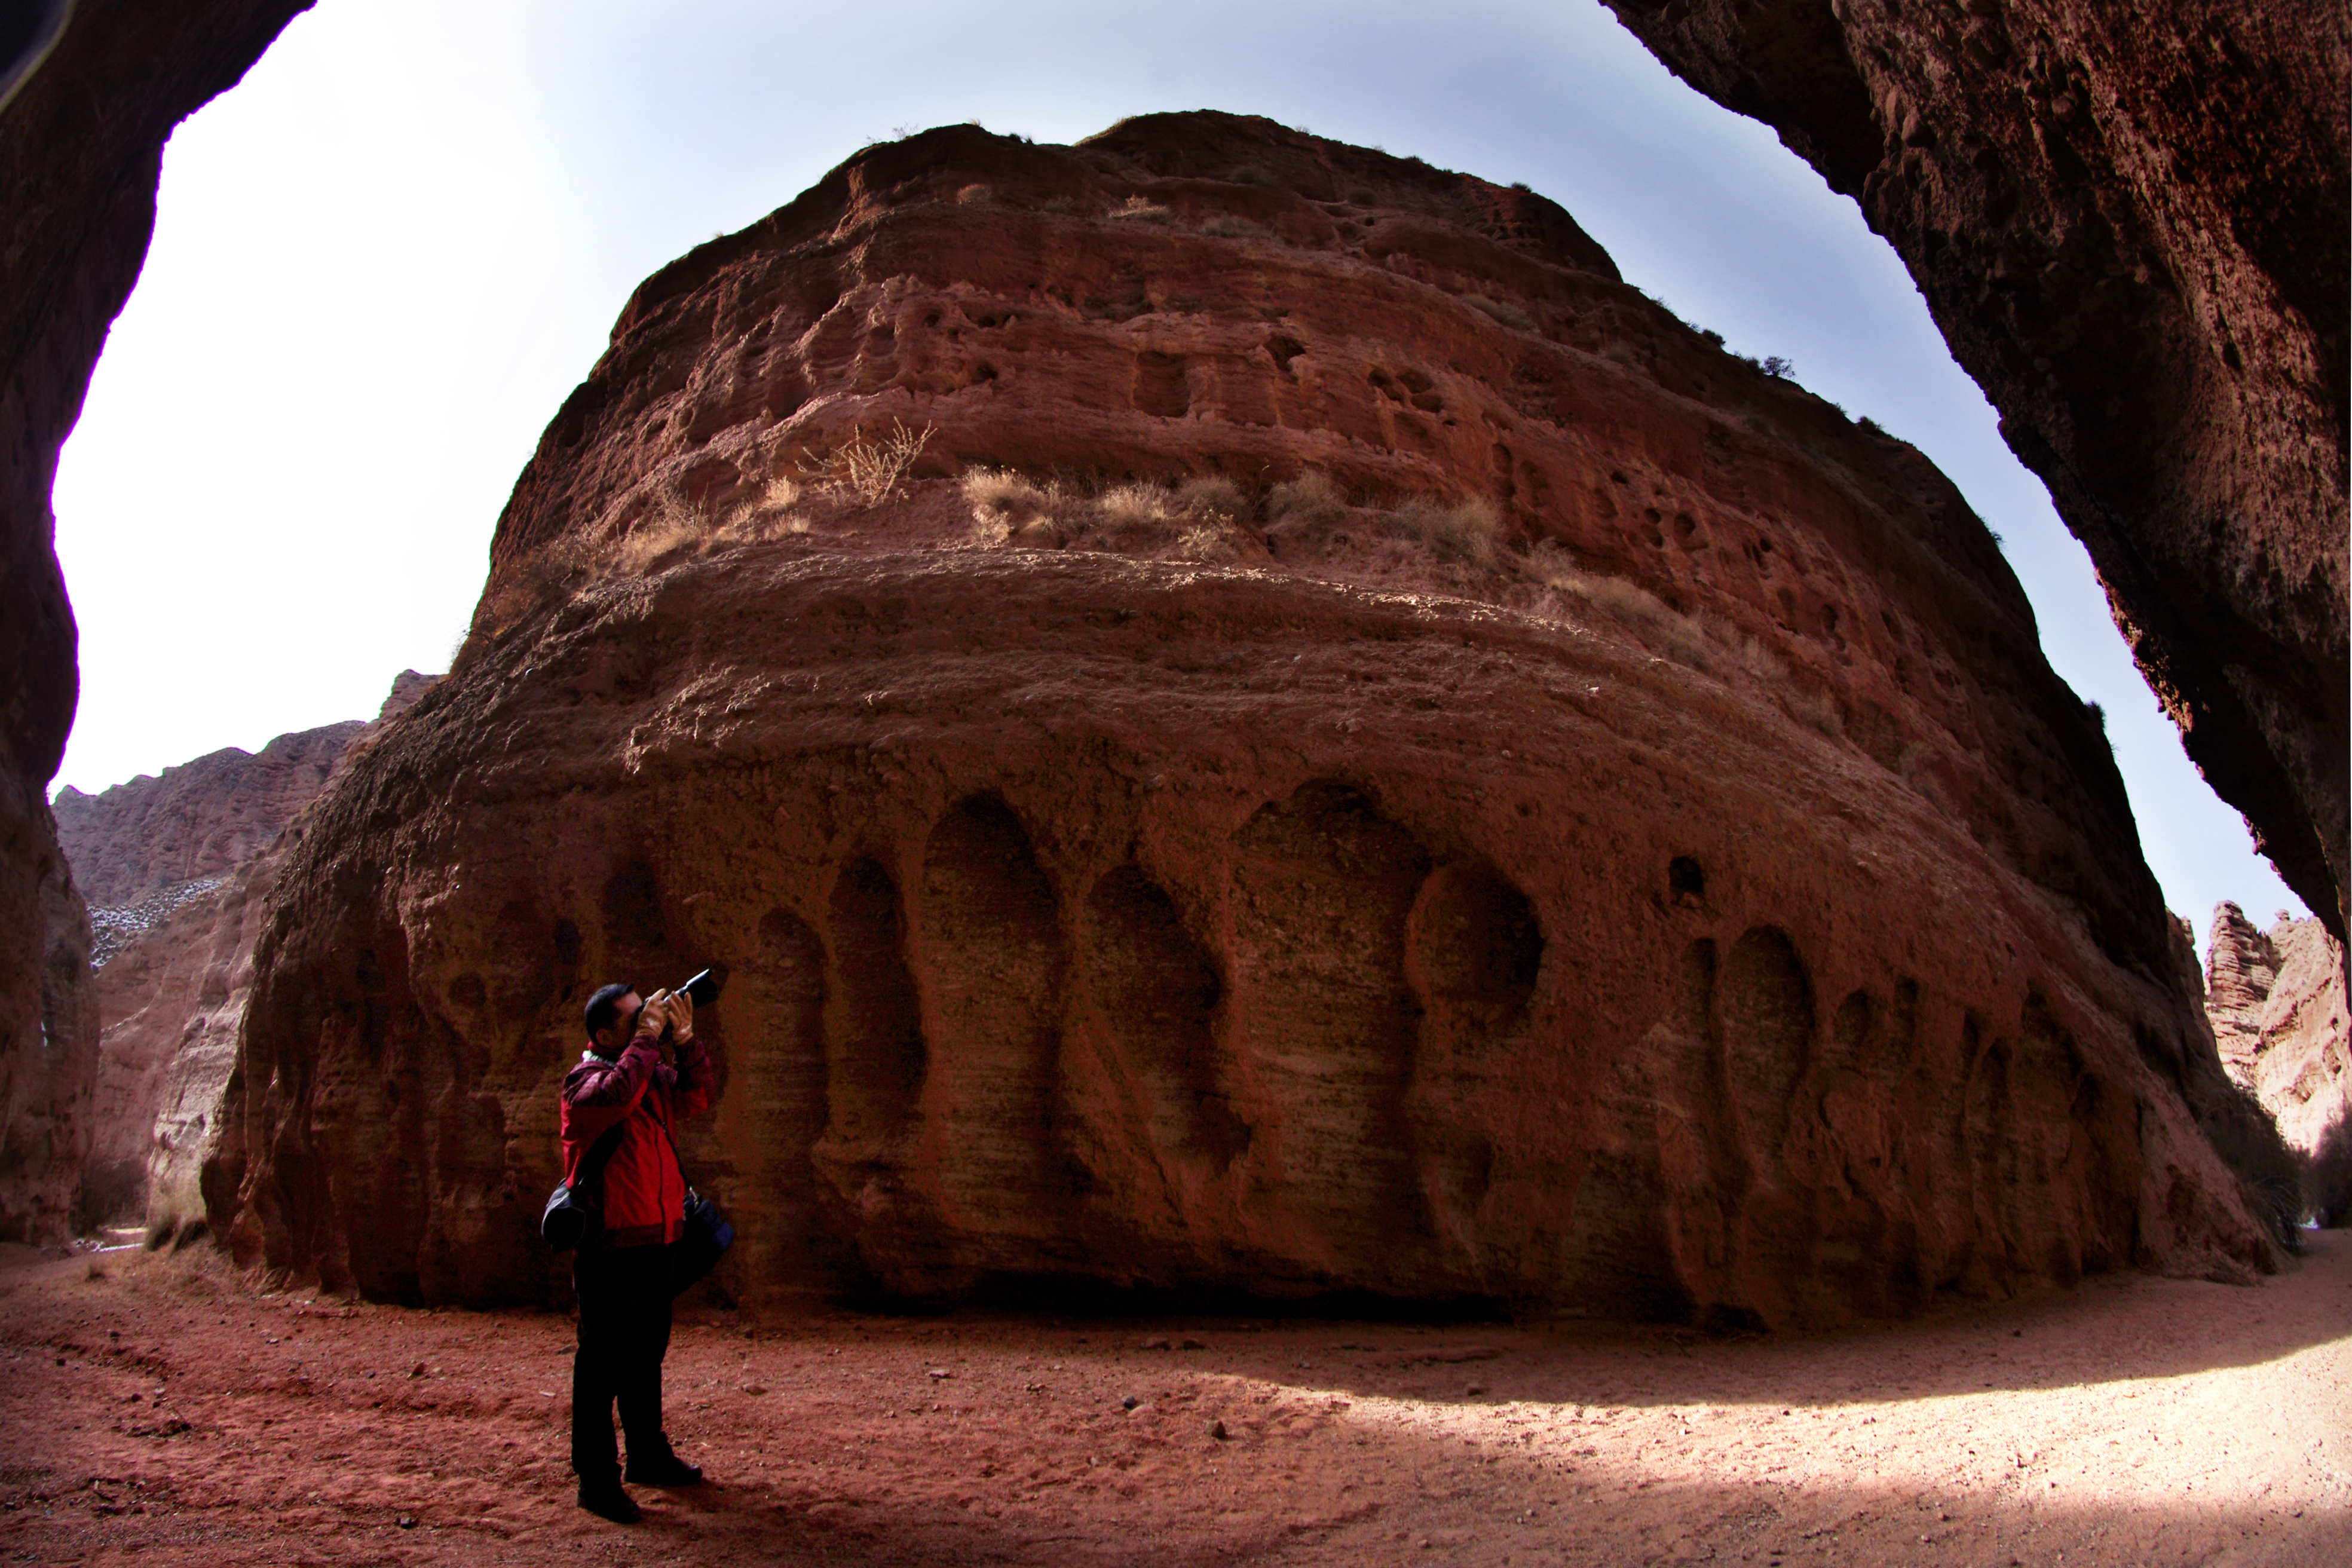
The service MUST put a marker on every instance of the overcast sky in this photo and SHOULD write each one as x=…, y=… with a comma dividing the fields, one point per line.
x=382, y=260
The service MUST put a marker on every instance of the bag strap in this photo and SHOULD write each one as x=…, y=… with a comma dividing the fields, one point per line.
x=599, y=1155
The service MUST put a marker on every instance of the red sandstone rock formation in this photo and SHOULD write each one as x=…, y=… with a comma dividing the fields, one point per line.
x=2276, y=1002
x=1243, y=715
x=81, y=143
x=199, y=820
x=2131, y=224
x=2241, y=967
x=194, y=855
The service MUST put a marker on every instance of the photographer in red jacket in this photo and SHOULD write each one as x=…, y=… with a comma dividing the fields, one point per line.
x=622, y=1270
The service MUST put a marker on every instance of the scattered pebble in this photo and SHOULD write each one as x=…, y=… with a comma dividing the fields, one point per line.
x=753, y=1389
x=1217, y=1430
x=416, y=1370
x=1191, y=1345
x=407, y=1522
x=1128, y=1403
x=1159, y=1342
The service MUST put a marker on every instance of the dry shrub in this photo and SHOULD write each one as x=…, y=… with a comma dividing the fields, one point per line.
x=1467, y=531
x=1128, y=505
x=1231, y=225
x=1309, y=500
x=1142, y=209
x=671, y=530
x=1007, y=509
x=971, y=195
x=1764, y=664
x=1212, y=495
x=1815, y=712
x=869, y=467
x=1651, y=618
x=1201, y=520
x=1503, y=310
x=2327, y=1174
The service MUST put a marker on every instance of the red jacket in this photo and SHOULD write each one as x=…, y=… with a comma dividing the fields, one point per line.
x=643, y=1193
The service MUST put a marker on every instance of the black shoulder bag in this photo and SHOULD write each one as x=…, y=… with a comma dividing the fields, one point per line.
x=565, y=1220
x=704, y=1235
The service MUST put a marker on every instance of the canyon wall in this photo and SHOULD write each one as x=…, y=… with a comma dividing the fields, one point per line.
x=1244, y=717
x=82, y=143
x=183, y=864
x=2277, y=1005
x=2131, y=224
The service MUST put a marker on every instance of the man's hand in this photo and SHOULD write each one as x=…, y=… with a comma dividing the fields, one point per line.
x=681, y=1017
x=656, y=1015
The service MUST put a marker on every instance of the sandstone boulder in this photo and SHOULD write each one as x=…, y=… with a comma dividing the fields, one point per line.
x=1244, y=717
x=2131, y=225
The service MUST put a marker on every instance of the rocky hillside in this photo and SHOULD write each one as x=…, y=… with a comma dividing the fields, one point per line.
x=192, y=857
x=2131, y=224
x=2276, y=1001
x=1245, y=716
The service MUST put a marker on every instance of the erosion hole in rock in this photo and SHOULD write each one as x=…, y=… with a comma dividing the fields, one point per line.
x=875, y=1054
x=771, y=1106
x=1767, y=1003
x=1686, y=879
x=1323, y=888
x=1477, y=946
x=1161, y=389
x=990, y=966
x=1159, y=990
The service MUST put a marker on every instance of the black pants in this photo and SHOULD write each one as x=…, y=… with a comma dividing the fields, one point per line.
x=625, y=1299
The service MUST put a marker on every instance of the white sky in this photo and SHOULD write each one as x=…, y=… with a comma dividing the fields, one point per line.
x=383, y=261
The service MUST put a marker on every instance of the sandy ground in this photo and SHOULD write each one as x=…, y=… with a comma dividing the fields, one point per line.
x=164, y=1407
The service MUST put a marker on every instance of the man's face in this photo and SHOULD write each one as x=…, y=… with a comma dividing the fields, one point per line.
x=625, y=1022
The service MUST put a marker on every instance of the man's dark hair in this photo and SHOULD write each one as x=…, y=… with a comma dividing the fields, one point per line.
x=605, y=1006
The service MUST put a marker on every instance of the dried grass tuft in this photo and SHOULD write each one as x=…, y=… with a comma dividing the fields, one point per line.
x=1503, y=310
x=1142, y=209
x=1231, y=226
x=1309, y=500
x=1467, y=531
x=1655, y=622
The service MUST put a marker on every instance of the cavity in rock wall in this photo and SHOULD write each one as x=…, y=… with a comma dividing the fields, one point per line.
x=1323, y=886
x=991, y=967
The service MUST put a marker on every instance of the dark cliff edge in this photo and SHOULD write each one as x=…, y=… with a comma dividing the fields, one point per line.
x=2131, y=226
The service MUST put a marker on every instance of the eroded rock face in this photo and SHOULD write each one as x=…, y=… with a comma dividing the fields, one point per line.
x=197, y=822
x=192, y=855
x=81, y=144
x=2276, y=1002
x=1355, y=753
x=2130, y=224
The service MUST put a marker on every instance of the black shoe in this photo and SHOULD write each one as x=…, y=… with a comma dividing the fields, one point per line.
x=667, y=1471
x=609, y=1502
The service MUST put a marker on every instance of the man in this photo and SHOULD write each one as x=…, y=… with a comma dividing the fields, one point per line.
x=622, y=1270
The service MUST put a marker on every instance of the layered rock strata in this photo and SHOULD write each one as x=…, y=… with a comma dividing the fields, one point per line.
x=81, y=142
x=2277, y=1005
x=192, y=855
x=2131, y=225
x=195, y=822
x=1244, y=716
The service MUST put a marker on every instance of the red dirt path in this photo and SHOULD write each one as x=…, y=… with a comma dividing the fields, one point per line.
x=163, y=1407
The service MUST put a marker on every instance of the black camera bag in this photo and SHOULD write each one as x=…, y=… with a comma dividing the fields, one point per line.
x=570, y=1212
